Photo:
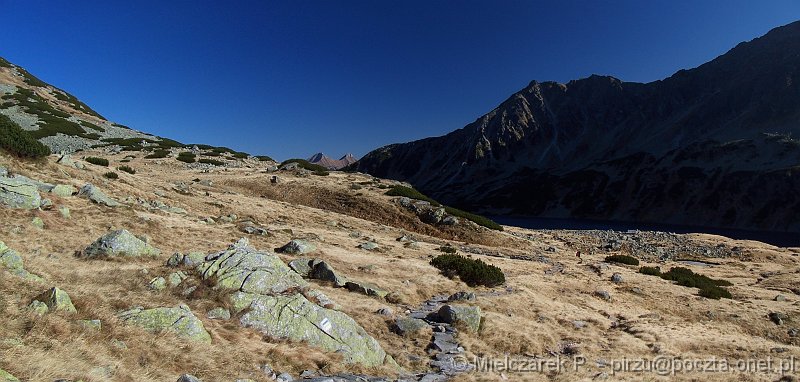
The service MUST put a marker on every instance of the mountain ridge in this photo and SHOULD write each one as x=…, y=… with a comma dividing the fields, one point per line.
x=562, y=145
x=55, y=117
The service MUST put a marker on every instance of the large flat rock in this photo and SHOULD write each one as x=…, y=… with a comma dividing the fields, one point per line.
x=297, y=319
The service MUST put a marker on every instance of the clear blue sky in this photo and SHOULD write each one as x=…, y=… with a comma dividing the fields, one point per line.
x=292, y=78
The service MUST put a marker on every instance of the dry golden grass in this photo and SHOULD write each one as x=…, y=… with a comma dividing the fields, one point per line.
x=532, y=319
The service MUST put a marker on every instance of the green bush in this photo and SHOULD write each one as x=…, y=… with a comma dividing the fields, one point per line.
x=211, y=161
x=241, y=155
x=715, y=293
x=221, y=150
x=306, y=165
x=650, y=271
x=127, y=169
x=447, y=249
x=111, y=175
x=265, y=158
x=19, y=142
x=166, y=143
x=471, y=271
x=685, y=276
x=410, y=193
x=709, y=288
x=157, y=154
x=477, y=219
x=622, y=259
x=91, y=125
x=211, y=154
x=97, y=161
x=321, y=173
x=186, y=156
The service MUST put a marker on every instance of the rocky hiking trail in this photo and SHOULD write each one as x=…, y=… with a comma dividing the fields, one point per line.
x=444, y=347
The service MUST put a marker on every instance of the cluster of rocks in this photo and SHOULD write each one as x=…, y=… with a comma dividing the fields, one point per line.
x=153, y=205
x=297, y=247
x=230, y=218
x=21, y=192
x=647, y=245
x=493, y=253
x=320, y=270
x=52, y=300
x=265, y=293
x=251, y=228
x=427, y=212
x=97, y=196
x=66, y=160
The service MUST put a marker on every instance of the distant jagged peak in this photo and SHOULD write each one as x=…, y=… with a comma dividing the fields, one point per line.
x=318, y=157
x=333, y=164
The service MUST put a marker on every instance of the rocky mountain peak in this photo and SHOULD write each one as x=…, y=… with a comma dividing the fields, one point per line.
x=330, y=163
x=603, y=148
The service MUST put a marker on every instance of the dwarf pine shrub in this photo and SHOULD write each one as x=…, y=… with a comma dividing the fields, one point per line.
x=622, y=259
x=97, y=161
x=709, y=288
x=186, y=157
x=211, y=161
x=19, y=142
x=471, y=271
x=127, y=169
x=650, y=271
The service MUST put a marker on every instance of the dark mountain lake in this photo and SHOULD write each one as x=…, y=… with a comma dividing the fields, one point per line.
x=781, y=239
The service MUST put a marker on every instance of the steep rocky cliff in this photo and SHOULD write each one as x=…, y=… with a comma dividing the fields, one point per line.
x=708, y=146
